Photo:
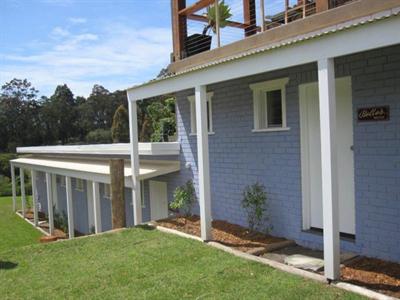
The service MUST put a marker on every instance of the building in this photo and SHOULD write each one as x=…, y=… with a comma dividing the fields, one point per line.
x=307, y=104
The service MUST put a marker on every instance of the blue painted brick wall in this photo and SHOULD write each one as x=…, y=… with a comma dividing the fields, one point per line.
x=239, y=157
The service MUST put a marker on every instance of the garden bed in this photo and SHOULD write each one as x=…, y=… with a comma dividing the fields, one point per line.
x=374, y=274
x=228, y=234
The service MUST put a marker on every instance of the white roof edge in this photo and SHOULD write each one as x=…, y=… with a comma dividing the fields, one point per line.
x=163, y=148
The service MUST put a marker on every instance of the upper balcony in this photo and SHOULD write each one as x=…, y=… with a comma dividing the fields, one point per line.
x=204, y=31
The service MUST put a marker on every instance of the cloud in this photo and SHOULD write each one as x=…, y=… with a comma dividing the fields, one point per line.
x=77, y=20
x=117, y=57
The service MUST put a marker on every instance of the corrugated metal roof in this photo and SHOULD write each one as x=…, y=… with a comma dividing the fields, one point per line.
x=301, y=38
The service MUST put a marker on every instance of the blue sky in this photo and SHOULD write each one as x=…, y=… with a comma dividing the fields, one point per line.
x=115, y=43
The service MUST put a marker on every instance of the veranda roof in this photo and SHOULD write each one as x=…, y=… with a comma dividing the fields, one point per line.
x=95, y=170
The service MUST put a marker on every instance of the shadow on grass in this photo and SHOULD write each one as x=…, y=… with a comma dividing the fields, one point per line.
x=7, y=265
x=145, y=227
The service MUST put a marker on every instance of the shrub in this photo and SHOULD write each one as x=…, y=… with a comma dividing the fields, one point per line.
x=255, y=203
x=61, y=220
x=99, y=136
x=184, y=197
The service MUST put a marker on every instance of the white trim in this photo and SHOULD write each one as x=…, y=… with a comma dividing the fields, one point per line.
x=70, y=207
x=330, y=201
x=96, y=207
x=260, y=89
x=23, y=194
x=161, y=148
x=203, y=162
x=378, y=34
x=193, y=124
x=90, y=204
x=272, y=129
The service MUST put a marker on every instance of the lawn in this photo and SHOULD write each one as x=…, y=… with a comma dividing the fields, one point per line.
x=141, y=263
x=14, y=232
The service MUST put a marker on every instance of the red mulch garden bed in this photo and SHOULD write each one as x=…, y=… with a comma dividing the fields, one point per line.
x=374, y=274
x=228, y=234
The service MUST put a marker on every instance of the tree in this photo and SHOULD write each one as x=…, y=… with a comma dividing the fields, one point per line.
x=120, y=126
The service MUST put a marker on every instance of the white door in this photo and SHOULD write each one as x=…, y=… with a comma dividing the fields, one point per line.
x=311, y=156
x=158, y=200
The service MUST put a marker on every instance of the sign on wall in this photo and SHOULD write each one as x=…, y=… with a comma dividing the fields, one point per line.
x=376, y=113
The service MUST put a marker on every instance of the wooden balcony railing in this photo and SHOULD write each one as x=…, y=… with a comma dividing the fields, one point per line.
x=255, y=18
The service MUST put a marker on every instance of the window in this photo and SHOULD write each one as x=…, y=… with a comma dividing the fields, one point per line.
x=193, y=125
x=107, y=191
x=79, y=185
x=269, y=103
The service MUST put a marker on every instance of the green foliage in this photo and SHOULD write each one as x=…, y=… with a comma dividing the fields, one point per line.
x=184, y=197
x=255, y=203
x=120, y=126
x=99, y=136
x=224, y=14
x=60, y=220
x=162, y=119
x=5, y=168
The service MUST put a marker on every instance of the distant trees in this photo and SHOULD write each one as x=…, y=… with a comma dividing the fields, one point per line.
x=120, y=126
x=26, y=119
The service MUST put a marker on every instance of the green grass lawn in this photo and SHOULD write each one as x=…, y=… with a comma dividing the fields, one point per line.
x=140, y=263
x=14, y=232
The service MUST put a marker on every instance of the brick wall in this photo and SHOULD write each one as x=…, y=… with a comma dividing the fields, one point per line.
x=239, y=157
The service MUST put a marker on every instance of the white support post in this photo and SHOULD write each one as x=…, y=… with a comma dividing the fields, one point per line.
x=96, y=207
x=203, y=162
x=14, y=188
x=330, y=201
x=262, y=10
x=70, y=207
x=23, y=194
x=50, y=202
x=137, y=203
x=34, y=198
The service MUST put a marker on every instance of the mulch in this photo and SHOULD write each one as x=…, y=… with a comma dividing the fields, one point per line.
x=228, y=234
x=374, y=274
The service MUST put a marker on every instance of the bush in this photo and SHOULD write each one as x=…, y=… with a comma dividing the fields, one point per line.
x=99, y=136
x=184, y=197
x=5, y=168
x=60, y=220
x=255, y=203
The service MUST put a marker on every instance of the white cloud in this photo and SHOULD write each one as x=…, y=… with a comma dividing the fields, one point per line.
x=77, y=20
x=58, y=32
x=116, y=57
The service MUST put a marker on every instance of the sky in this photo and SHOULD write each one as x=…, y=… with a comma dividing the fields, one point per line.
x=114, y=43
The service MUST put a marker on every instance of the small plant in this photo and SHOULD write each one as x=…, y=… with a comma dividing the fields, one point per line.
x=224, y=14
x=184, y=197
x=61, y=220
x=255, y=203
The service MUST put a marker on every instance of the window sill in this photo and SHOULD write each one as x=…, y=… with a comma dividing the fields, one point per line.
x=195, y=134
x=271, y=129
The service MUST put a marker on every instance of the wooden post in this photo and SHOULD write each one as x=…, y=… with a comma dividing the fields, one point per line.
x=34, y=198
x=249, y=15
x=14, y=188
x=179, y=28
x=262, y=10
x=70, y=207
x=217, y=23
x=96, y=207
x=329, y=174
x=117, y=193
x=23, y=194
x=133, y=127
x=286, y=11
x=50, y=202
x=203, y=162
x=321, y=5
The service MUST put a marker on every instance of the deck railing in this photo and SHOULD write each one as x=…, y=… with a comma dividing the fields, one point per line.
x=246, y=18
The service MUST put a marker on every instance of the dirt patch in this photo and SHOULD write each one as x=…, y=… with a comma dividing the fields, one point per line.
x=374, y=274
x=228, y=234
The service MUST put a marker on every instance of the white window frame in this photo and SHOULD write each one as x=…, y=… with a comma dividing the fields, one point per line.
x=79, y=184
x=107, y=191
x=260, y=90
x=193, y=125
